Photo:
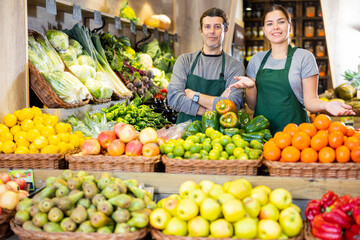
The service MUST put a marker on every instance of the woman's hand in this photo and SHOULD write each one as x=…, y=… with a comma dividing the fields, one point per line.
x=336, y=108
x=243, y=82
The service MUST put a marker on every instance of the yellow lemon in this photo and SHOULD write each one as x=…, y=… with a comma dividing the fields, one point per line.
x=37, y=111
x=74, y=140
x=65, y=137
x=22, y=142
x=47, y=131
x=82, y=140
x=69, y=127
x=32, y=134
x=62, y=147
x=20, y=134
x=87, y=138
x=79, y=133
x=34, y=151
x=10, y=120
x=21, y=150
x=32, y=147
x=1, y=182
x=1, y=147
x=51, y=120
x=38, y=120
x=51, y=149
x=70, y=146
x=17, y=113
x=3, y=128
x=61, y=127
x=54, y=139
x=39, y=126
x=27, y=124
x=6, y=137
x=40, y=142
x=26, y=113
x=9, y=147
x=15, y=129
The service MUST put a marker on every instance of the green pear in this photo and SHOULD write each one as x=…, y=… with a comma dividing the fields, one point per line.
x=24, y=204
x=47, y=192
x=62, y=191
x=90, y=189
x=29, y=225
x=136, y=204
x=86, y=227
x=138, y=221
x=52, y=227
x=50, y=181
x=67, y=174
x=122, y=228
x=85, y=202
x=137, y=192
x=105, y=207
x=55, y=215
x=105, y=230
x=99, y=219
x=40, y=219
x=120, y=215
x=121, y=185
x=82, y=174
x=68, y=225
x=22, y=216
x=121, y=200
x=45, y=205
x=131, y=183
x=79, y=214
x=110, y=191
x=74, y=183
x=103, y=182
x=33, y=210
x=97, y=199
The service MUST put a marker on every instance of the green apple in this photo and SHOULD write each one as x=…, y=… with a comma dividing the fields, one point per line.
x=170, y=205
x=246, y=228
x=221, y=229
x=252, y=206
x=268, y=229
x=210, y=209
x=176, y=227
x=269, y=211
x=198, y=227
x=242, y=156
x=281, y=198
x=198, y=195
x=206, y=185
x=215, y=191
x=291, y=223
x=240, y=188
x=187, y=187
x=260, y=195
x=224, y=197
x=233, y=210
x=187, y=209
x=159, y=218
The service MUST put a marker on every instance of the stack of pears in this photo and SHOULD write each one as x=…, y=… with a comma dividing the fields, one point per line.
x=82, y=203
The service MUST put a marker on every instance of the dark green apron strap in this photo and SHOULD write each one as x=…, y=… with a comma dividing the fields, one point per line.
x=223, y=66
x=264, y=60
x=194, y=63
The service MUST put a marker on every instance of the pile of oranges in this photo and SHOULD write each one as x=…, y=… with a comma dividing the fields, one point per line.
x=321, y=141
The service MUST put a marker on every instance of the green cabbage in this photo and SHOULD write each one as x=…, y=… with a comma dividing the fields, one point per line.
x=86, y=60
x=57, y=63
x=77, y=46
x=69, y=56
x=58, y=39
x=83, y=72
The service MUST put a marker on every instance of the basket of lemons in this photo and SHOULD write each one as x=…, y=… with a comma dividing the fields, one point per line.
x=32, y=139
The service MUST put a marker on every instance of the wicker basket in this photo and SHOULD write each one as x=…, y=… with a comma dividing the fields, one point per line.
x=107, y=163
x=218, y=167
x=34, y=161
x=314, y=170
x=158, y=235
x=33, y=235
x=42, y=88
x=5, y=218
x=307, y=232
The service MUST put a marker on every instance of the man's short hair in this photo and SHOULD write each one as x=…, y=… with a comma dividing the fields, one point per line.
x=215, y=12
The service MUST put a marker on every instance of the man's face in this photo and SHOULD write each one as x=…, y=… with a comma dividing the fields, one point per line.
x=213, y=32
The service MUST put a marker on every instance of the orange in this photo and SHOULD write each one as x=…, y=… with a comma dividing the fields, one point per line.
x=318, y=142
x=290, y=154
x=342, y=154
x=308, y=128
x=282, y=139
x=308, y=155
x=355, y=154
x=327, y=155
x=322, y=122
x=337, y=126
x=356, y=134
x=323, y=133
x=350, y=131
x=336, y=139
x=291, y=129
x=271, y=151
x=301, y=140
x=352, y=142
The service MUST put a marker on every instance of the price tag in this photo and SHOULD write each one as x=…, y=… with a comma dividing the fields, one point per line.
x=27, y=175
x=144, y=29
x=156, y=33
x=166, y=36
x=97, y=17
x=77, y=12
x=176, y=38
x=132, y=27
x=51, y=7
x=118, y=23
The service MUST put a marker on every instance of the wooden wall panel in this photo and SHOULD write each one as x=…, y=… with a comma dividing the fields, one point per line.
x=14, y=89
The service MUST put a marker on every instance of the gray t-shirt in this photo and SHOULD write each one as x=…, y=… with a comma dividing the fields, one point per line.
x=209, y=67
x=303, y=65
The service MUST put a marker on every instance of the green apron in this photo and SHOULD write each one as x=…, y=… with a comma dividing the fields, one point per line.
x=212, y=87
x=275, y=98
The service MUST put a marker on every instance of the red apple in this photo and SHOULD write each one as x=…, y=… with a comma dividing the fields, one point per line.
x=91, y=147
x=105, y=138
x=150, y=150
x=148, y=135
x=116, y=148
x=5, y=177
x=21, y=182
x=13, y=186
x=133, y=148
x=127, y=133
x=117, y=128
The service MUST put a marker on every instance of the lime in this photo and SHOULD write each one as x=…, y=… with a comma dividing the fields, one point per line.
x=207, y=140
x=179, y=142
x=205, y=158
x=168, y=148
x=178, y=158
x=195, y=138
x=196, y=156
x=207, y=147
x=241, y=143
x=222, y=158
x=188, y=143
x=208, y=131
x=215, y=134
x=247, y=150
x=196, y=148
x=253, y=154
x=230, y=148
x=187, y=155
x=256, y=144
x=237, y=151
x=232, y=157
x=201, y=136
x=242, y=156
x=170, y=155
x=179, y=151
x=235, y=137
x=215, y=141
x=214, y=154
x=162, y=148
x=218, y=147
x=225, y=140
x=203, y=152
x=224, y=154
x=173, y=141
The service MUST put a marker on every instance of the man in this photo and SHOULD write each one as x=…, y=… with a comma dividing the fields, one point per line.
x=200, y=78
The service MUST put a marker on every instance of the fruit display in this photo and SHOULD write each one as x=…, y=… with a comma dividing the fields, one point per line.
x=322, y=141
x=82, y=203
x=334, y=217
x=11, y=192
x=30, y=131
x=123, y=139
x=346, y=93
x=232, y=210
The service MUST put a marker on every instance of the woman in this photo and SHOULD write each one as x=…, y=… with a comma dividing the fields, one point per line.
x=282, y=82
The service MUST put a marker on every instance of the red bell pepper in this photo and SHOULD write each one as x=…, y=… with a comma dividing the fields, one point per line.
x=339, y=217
x=351, y=204
x=353, y=233
x=328, y=199
x=341, y=201
x=225, y=106
x=159, y=96
x=356, y=214
x=164, y=90
x=325, y=235
x=312, y=209
x=325, y=230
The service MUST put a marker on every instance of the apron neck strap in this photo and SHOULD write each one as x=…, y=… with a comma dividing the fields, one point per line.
x=222, y=66
x=290, y=53
x=195, y=62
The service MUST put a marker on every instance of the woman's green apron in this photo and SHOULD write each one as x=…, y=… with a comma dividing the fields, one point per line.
x=212, y=87
x=275, y=97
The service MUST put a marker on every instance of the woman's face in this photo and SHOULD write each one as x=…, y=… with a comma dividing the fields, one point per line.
x=276, y=27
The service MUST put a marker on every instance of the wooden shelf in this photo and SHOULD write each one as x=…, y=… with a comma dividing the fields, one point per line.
x=254, y=39
x=313, y=38
x=322, y=58
x=252, y=19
